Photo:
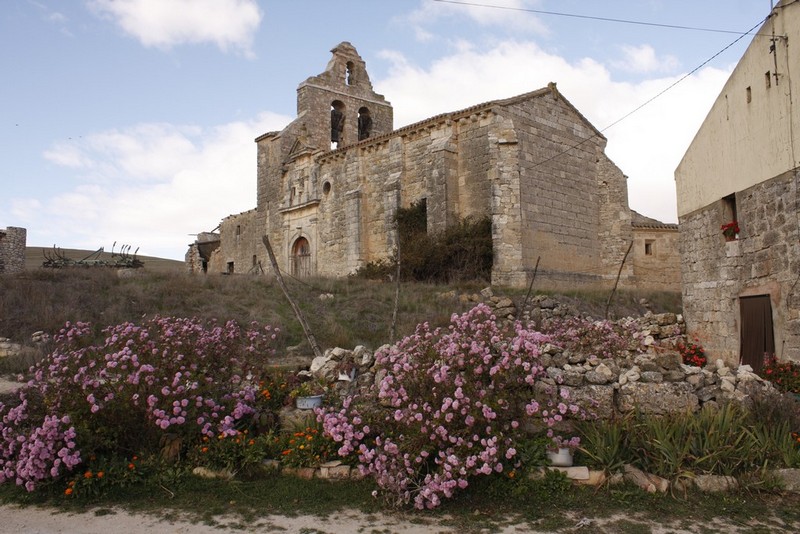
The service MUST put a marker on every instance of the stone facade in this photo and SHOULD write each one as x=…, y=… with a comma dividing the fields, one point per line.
x=655, y=254
x=742, y=167
x=763, y=260
x=329, y=187
x=12, y=250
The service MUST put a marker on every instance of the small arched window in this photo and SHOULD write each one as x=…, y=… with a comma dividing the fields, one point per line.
x=337, y=123
x=348, y=73
x=364, y=123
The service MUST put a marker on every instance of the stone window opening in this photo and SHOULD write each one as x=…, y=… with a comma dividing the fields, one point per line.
x=768, y=79
x=301, y=258
x=292, y=196
x=364, y=123
x=348, y=73
x=730, y=218
x=749, y=95
x=337, y=123
x=238, y=233
x=326, y=188
x=648, y=247
x=230, y=268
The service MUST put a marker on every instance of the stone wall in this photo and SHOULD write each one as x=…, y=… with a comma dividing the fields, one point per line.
x=653, y=380
x=764, y=260
x=655, y=258
x=12, y=250
x=532, y=163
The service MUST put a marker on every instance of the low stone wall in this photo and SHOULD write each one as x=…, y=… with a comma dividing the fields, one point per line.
x=654, y=381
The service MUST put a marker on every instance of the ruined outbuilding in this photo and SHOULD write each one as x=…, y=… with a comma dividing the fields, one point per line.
x=331, y=182
x=12, y=250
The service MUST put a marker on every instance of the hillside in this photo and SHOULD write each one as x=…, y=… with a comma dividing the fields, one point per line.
x=342, y=312
x=35, y=256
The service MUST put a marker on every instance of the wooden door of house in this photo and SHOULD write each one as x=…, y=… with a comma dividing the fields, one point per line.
x=757, y=337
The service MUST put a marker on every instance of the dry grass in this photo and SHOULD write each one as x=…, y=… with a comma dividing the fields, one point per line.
x=359, y=313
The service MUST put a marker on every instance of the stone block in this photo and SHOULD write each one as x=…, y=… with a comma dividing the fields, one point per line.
x=715, y=483
x=657, y=398
x=789, y=478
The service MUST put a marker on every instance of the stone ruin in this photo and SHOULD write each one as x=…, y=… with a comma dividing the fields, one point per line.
x=12, y=250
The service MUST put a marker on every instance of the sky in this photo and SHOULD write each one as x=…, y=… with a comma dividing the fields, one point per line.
x=133, y=121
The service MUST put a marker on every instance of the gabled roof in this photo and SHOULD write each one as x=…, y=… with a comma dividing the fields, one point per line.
x=477, y=108
x=640, y=221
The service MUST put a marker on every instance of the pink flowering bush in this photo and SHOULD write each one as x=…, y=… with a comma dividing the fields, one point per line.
x=169, y=379
x=602, y=339
x=452, y=406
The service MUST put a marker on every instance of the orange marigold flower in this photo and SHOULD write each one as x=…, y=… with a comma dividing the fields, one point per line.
x=204, y=450
x=87, y=474
x=68, y=491
x=131, y=466
x=287, y=452
x=100, y=474
x=251, y=442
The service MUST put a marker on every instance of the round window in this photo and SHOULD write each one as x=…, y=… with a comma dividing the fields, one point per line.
x=326, y=188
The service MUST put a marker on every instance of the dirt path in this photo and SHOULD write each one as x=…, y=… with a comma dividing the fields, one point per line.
x=35, y=520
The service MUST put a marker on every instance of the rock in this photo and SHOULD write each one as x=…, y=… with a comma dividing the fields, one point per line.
x=595, y=399
x=593, y=377
x=596, y=478
x=657, y=398
x=715, y=483
x=789, y=478
x=652, y=377
x=204, y=472
x=674, y=376
x=325, y=296
x=338, y=353
x=668, y=360
x=318, y=363
x=487, y=292
x=506, y=303
x=646, y=481
x=299, y=472
x=695, y=381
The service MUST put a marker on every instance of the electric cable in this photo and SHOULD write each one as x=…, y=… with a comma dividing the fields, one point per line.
x=591, y=17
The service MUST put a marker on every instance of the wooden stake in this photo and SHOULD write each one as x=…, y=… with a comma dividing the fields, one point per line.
x=298, y=313
x=611, y=296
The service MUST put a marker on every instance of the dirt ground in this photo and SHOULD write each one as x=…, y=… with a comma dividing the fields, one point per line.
x=34, y=520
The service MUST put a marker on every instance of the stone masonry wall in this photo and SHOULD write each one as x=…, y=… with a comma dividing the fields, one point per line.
x=656, y=270
x=12, y=250
x=241, y=243
x=764, y=260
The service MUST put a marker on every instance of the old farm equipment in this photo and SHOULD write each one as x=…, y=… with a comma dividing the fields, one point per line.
x=121, y=259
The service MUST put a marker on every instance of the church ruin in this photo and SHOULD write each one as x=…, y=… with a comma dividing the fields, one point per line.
x=330, y=184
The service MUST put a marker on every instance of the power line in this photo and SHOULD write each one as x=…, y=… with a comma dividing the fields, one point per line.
x=645, y=103
x=591, y=17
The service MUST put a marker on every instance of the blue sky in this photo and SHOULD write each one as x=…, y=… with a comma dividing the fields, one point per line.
x=133, y=120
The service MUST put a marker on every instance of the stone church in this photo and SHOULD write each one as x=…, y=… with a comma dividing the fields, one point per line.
x=330, y=184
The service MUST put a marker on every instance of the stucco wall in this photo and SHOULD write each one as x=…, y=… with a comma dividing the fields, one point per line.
x=751, y=132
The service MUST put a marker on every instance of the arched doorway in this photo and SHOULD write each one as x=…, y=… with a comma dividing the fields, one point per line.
x=301, y=257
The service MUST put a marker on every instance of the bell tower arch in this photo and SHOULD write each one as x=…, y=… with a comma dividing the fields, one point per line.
x=339, y=106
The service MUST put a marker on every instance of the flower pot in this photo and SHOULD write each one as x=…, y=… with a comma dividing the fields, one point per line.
x=560, y=458
x=309, y=403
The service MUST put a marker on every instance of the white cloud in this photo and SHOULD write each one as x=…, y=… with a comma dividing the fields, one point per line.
x=166, y=23
x=163, y=183
x=505, y=14
x=647, y=146
x=644, y=59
